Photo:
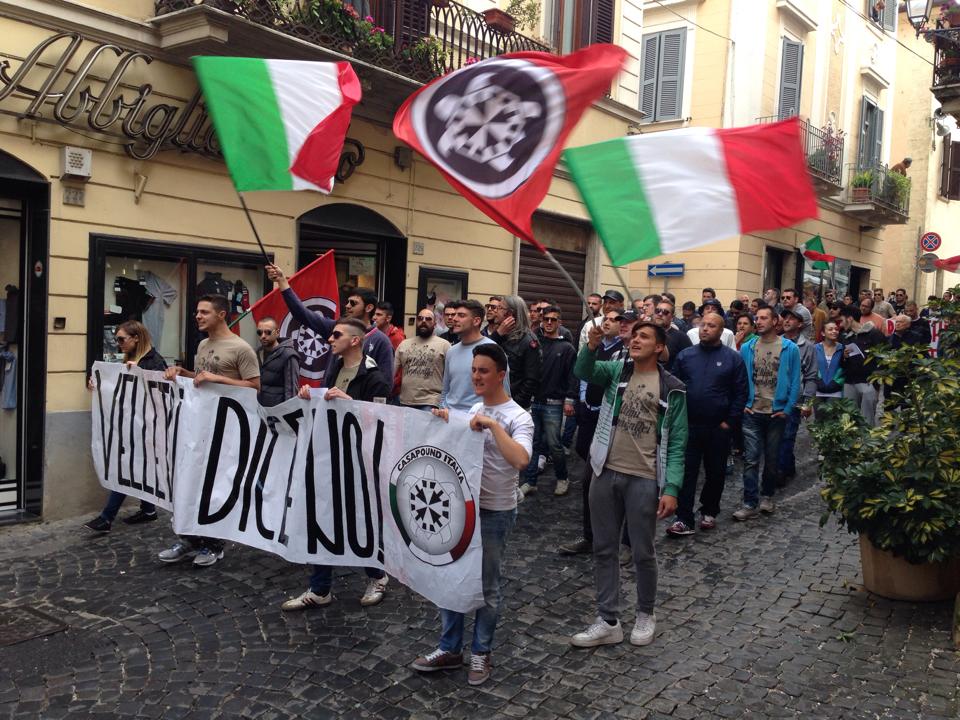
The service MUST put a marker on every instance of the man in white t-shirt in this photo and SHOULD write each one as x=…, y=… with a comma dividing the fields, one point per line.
x=726, y=337
x=507, y=444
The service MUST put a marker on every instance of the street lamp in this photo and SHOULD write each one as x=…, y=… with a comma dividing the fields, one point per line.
x=918, y=12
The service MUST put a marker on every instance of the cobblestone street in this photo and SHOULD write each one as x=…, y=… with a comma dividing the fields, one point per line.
x=763, y=619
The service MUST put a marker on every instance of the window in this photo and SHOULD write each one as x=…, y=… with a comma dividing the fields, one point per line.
x=883, y=13
x=791, y=74
x=950, y=170
x=574, y=24
x=871, y=135
x=661, y=88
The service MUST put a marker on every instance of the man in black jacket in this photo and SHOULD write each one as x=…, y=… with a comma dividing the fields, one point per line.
x=677, y=340
x=513, y=334
x=353, y=375
x=857, y=339
x=716, y=381
x=554, y=399
x=279, y=365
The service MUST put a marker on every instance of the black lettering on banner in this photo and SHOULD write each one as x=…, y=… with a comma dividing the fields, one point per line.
x=265, y=532
x=350, y=469
x=172, y=466
x=293, y=420
x=104, y=434
x=314, y=531
x=225, y=405
x=377, y=452
x=127, y=429
x=161, y=389
x=147, y=395
x=264, y=466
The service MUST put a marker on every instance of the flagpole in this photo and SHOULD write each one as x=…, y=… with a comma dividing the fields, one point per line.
x=566, y=275
x=239, y=318
x=253, y=227
x=623, y=282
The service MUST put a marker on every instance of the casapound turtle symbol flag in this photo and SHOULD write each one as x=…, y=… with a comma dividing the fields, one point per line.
x=495, y=129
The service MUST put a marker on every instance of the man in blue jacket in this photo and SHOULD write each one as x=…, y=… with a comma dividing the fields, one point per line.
x=716, y=381
x=773, y=387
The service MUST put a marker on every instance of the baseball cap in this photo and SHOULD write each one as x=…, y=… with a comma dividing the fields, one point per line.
x=799, y=311
x=614, y=295
x=713, y=302
x=628, y=316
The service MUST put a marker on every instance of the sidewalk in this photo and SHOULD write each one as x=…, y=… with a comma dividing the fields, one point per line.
x=763, y=619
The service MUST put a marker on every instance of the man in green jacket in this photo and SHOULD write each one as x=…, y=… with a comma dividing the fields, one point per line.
x=637, y=458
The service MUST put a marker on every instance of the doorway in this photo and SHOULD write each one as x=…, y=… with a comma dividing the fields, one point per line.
x=24, y=228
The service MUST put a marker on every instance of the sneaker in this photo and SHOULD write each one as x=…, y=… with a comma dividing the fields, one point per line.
x=626, y=555
x=766, y=505
x=140, y=517
x=562, y=488
x=580, y=546
x=309, y=599
x=541, y=462
x=708, y=522
x=679, y=529
x=178, y=552
x=643, y=629
x=745, y=513
x=373, y=595
x=479, y=671
x=98, y=525
x=206, y=557
x=528, y=489
x=600, y=633
x=437, y=660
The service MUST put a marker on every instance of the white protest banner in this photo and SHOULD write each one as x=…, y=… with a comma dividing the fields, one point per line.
x=135, y=428
x=338, y=483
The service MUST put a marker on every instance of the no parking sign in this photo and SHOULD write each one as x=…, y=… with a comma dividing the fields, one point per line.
x=930, y=242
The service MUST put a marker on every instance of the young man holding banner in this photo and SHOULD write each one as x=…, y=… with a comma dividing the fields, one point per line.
x=222, y=358
x=353, y=375
x=508, y=441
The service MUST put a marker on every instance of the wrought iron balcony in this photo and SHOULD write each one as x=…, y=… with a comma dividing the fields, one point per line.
x=946, y=68
x=877, y=195
x=823, y=148
x=418, y=39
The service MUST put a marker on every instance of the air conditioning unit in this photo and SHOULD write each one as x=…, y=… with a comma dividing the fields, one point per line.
x=76, y=163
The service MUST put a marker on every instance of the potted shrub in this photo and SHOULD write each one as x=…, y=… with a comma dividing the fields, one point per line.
x=898, y=485
x=499, y=20
x=896, y=189
x=860, y=185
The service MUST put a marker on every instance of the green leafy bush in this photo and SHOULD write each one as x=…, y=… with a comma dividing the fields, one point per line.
x=899, y=483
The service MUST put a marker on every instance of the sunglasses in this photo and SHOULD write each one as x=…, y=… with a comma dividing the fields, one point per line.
x=337, y=334
x=264, y=332
x=121, y=338
x=490, y=306
x=424, y=319
x=551, y=319
x=351, y=302
x=663, y=311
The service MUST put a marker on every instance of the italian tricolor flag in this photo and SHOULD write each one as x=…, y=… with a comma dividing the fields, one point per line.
x=659, y=193
x=280, y=123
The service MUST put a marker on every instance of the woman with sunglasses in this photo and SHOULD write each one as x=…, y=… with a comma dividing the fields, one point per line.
x=133, y=340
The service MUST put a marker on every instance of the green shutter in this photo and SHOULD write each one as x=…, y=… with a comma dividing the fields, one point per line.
x=890, y=15
x=877, y=136
x=648, y=80
x=791, y=74
x=670, y=74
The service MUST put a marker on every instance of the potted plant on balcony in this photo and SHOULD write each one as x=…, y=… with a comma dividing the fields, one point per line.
x=896, y=188
x=499, y=20
x=860, y=186
x=898, y=485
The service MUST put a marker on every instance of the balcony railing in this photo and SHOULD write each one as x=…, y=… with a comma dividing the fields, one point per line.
x=881, y=191
x=823, y=148
x=416, y=38
x=946, y=59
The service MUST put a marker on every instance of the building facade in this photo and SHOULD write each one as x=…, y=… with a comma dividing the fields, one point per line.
x=114, y=202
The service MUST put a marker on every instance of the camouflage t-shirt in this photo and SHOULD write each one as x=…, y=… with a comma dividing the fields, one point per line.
x=766, y=366
x=634, y=447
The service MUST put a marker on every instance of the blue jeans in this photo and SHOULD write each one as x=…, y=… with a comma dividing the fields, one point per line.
x=495, y=527
x=321, y=579
x=547, y=420
x=569, y=428
x=761, y=440
x=787, y=461
x=109, y=512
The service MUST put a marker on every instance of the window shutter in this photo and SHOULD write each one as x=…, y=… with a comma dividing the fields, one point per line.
x=890, y=15
x=603, y=15
x=863, y=152
x=648, y=82
x=945, y=165
x=953, y=184
x=877, y=137
x=791, y=73
x=670, y=74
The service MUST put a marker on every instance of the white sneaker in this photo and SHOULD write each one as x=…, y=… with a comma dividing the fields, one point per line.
x=179, y=551
x=767, y=505
x=562, y=488
x=600, y=633
x=643, y=629
x=528, y=489
x=373, y=595
x=541, y=462
x=308, y=599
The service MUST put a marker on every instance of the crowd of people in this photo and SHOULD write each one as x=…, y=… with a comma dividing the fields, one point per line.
x=644, y=395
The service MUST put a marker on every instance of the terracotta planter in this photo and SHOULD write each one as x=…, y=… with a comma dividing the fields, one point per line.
x=892, y=577
x=499, y=20
x=860, y=194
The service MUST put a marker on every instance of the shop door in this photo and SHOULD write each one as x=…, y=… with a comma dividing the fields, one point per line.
x=24, y=222
x=539, y=278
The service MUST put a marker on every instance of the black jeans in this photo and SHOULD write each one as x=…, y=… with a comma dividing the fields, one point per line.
x=710, y=446
x=586, y=426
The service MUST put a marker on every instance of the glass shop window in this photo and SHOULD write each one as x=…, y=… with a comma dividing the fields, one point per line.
x=241, y=284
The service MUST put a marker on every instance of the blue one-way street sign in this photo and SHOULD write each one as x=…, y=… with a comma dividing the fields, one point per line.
x=665, y=270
